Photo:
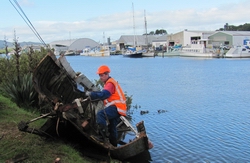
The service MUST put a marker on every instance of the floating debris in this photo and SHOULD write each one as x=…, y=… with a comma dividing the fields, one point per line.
x=144, y=112
x=162, y=111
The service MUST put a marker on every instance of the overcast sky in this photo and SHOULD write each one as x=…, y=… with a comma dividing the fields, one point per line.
x=99, y=19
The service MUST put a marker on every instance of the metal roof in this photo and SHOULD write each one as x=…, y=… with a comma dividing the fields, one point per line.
x=140, y=39
x=74, y=44
x=236, y=33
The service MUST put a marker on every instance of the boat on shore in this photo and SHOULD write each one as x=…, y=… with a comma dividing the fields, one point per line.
x=61, y=89
x=238, y=52
x=198, y=49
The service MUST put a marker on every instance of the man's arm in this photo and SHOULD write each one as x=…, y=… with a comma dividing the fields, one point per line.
x=107, y=91
x=100, y=95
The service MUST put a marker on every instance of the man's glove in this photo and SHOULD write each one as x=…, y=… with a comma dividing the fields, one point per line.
x=88, y=93
x=66, y=107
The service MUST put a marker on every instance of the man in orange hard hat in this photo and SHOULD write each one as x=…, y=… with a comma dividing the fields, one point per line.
x=114, y=105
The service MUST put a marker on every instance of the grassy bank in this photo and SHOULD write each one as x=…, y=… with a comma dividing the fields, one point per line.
x=37, y=149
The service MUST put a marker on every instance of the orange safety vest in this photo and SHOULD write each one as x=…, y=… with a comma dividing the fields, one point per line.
x=118, y=98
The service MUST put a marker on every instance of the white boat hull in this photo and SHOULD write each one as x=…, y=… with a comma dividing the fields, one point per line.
x=174, y=52
x=96, y=54
x=148, y=54
x=190, y=54
x=197, y=52
x=238, y=52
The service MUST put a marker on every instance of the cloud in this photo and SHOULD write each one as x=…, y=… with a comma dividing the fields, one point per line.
x=119, y=24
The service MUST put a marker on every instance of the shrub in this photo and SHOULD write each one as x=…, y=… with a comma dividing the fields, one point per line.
x=23, y=92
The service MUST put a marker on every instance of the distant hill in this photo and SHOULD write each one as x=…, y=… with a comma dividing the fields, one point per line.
x=10, y=44
x=2, y=44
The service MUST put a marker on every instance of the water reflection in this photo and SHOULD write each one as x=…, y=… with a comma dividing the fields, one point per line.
x=144, y=157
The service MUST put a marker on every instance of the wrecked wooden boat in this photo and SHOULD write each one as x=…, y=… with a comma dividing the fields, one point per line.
x=60, y=89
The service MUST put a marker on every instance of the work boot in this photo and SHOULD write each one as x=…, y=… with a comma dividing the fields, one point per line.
x=113, y=141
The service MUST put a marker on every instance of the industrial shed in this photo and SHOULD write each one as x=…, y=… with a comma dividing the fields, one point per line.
x=140, y=42
x=229, y=38
x=185, y=37
x=159, y=42
x=76, y=45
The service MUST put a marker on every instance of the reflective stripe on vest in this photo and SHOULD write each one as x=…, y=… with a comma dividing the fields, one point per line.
x=119, y=103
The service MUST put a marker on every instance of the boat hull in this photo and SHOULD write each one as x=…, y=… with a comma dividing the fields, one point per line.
x=148, y=54
x=133, y=55
x=198, y=52
x=96, y=54
x=60, y=86
x=238, y=52
x=194, y=54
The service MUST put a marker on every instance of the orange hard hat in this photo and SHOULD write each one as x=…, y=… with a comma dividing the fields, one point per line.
x=102, y=69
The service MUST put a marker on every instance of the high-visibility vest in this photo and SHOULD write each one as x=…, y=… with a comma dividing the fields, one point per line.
x=118, y=98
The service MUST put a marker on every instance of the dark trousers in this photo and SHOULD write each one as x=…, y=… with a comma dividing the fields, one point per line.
x=112, y=115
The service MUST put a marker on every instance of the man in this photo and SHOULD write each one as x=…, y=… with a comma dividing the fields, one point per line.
x=114, y=105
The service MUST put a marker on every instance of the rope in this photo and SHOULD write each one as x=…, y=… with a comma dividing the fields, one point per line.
x=57, y=124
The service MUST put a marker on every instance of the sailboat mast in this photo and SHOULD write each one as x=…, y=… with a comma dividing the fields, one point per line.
x=104, y=46
x=134, y=24
x=146, y=28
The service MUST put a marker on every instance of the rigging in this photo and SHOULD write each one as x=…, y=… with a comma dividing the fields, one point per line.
x=27, y=21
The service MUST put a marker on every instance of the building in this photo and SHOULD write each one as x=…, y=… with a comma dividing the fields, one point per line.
x=213, y=39
x=229, y=38
x=185, y=37
x=160, y=42
x=140, y=41
x=76, y=45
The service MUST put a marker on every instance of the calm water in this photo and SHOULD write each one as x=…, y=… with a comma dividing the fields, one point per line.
x=207, y=104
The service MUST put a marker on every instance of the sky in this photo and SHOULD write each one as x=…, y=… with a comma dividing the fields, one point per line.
x=98, y=19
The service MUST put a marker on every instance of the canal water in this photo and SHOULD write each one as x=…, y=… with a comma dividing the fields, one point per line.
x=198, y=109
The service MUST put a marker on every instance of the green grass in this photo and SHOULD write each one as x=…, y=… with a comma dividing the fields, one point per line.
x=3, y=50
x=39, y=150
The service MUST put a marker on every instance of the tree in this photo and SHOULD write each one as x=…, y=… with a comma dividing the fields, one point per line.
x=6, y=47
x=158, y=32
x=17, y=50
x=245, y=27
x=151, y=33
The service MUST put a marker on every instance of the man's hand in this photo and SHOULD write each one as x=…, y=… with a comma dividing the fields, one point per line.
x=88, y=93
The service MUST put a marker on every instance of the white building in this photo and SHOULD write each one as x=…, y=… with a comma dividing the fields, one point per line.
x=185, y=37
